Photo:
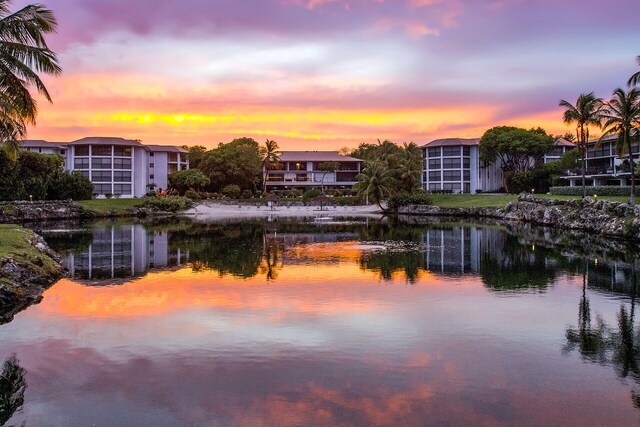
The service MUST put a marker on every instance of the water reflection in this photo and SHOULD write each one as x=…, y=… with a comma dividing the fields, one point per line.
x=12, y=387
x=293, y=322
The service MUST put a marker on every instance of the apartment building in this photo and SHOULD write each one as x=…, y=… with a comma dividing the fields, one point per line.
x=117, y=166
x=453, y=164
x=604, y=165
x=301, y=170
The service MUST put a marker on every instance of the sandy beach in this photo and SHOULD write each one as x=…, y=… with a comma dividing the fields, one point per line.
x=209, y=210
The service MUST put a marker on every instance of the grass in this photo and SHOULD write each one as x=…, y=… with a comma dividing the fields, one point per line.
x=101, y=206
x=15, y=244
x=498, y=200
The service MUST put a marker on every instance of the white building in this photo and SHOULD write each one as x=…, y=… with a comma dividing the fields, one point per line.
x=117, y=166
x=453, y=164
x=301, y=170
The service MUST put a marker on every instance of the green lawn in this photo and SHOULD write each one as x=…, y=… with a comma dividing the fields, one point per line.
x=14, y=243
x=499, y=200
x=106, y=205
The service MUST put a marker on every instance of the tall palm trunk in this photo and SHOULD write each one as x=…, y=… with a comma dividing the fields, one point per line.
x=632, y=198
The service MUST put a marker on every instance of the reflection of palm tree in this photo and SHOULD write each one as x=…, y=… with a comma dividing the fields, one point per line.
x=12, y=388
x=270, y=258
x=590, y=340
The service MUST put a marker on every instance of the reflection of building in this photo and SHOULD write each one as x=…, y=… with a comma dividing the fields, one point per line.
x=117, y=166
x=302, y=170
x=460, y=249
x=123, y=251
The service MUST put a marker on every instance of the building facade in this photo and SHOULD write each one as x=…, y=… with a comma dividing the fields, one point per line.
x=117, y=166
x=301, y=170
x=454, y=165
x=604, y=165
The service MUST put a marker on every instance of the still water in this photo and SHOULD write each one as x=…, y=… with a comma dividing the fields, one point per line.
x=352, y=322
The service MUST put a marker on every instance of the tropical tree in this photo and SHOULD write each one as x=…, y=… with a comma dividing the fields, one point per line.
x=621, y=117
x=634, y=80
x=586, y=112
x=23, y=55
x=270, y=153
x=375, y=182
x=410, y=167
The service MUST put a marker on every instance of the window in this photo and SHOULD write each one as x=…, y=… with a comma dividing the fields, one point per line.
x=152, y=165
x=467, y=175
x=121, y=151
x=173, y=157
x=450, y=151
x=102, y=188
x=81, y=163
x=434, y=164
x=85, y=173
x=121, y=176
x=151, y=154
x=152, y=176
x=122, y=164
x=298, y=166
x=82, y=150
x=466, y=151
x=173, y=168
x=434, y=152
x=434, y=176
x=466, y=163
x=101, y=176
x=451, y=163
x=451, y=176
x=101, y=163
x=122, y=189
x=434, y=187
x=452, y=187
x=101, y=150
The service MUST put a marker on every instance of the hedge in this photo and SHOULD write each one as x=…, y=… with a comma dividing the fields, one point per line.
x=593, y=191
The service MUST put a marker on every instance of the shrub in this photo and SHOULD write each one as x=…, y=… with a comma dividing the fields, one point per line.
x=309, y=195
x=151, y=194
x=246, y=194
x=232, y=191
x=168, y=204
x=592, y=191
x=346, y=201
x=70, y=185
x=108, y=195
x=192, y=194
x=185, y=180
x=408, y=199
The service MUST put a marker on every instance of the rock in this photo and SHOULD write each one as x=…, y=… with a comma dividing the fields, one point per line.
x=22, y=211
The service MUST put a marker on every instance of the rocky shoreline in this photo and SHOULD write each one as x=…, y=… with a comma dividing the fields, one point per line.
x=28, y=267
x=611, y=219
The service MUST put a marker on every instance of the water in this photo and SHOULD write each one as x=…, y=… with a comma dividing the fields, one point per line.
x=349, y=322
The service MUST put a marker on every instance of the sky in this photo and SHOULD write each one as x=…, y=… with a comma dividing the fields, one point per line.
x=324, y=74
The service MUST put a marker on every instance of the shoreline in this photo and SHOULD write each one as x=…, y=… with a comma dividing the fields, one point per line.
x=209, y=211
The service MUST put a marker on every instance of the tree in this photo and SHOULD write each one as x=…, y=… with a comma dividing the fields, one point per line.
x=327, y=167
x=375, y=182
x=190, y=178
x=70, y=185
x=12, y=387
x=270, y=153
x=622, y=117
x=586, y=112
x=410, y=168
x=634, y=80
x=24, y=54
x=237, y=162
x=519, y=150
x=196, y=154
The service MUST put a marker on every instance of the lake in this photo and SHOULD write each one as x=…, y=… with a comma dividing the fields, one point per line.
x=340, y=322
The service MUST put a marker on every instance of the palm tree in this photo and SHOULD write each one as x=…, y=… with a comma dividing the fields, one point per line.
x=374, y=182
x=23, y=54
x=410, y=167
x=270, y=153
x=585, y=113
x=622, y=117
x=634, y=80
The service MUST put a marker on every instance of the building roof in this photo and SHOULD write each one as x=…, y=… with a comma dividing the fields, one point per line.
x=452, y=142
x=101, y=140
x=315, y=156
x=40, y=143
x=166, y=149
x=564, y=143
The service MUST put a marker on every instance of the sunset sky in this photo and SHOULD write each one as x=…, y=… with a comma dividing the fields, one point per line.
x=322, y=74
